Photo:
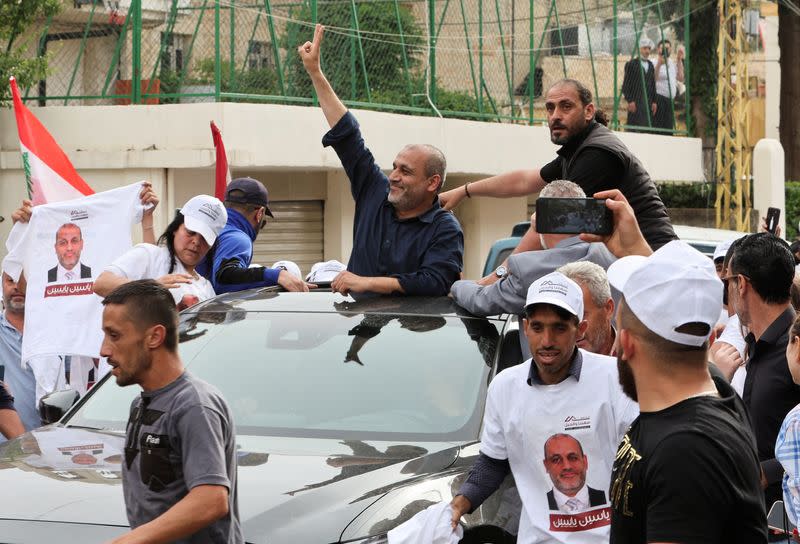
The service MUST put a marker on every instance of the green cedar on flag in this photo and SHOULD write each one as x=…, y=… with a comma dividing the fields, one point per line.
x=49, y=173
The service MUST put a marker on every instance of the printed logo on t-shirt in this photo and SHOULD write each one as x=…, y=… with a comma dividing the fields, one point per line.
x=621, y=484
x=77, y=215
x=573, y=423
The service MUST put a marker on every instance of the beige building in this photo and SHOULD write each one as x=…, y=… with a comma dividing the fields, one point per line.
x=171, y=146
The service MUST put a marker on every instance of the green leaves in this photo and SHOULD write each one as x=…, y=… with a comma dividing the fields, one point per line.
x=17, y=49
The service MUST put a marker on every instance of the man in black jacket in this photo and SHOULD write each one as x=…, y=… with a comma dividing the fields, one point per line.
x=591, y=156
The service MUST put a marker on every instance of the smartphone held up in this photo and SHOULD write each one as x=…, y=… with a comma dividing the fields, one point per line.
x=573, y=216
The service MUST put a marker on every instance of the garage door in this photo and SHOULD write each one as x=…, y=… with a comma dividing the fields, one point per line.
x=295, y=234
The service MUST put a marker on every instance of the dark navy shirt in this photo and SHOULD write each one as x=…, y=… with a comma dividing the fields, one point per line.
x=424, y=253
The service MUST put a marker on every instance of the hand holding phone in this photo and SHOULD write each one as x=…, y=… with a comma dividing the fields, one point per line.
x=773, y=219
x=573, y=216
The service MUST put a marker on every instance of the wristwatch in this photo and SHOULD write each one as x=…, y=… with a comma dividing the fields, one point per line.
x=501, y=271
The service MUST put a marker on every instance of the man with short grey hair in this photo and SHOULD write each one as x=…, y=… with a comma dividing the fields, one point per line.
x=598, y=306
x=508, y=294
x=403, y=241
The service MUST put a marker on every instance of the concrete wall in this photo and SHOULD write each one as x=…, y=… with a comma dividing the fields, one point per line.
x=171, y=146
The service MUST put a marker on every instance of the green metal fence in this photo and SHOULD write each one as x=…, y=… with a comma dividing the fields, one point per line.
x=490, y=60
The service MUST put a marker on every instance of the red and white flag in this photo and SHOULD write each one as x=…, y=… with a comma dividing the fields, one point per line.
x=48, y=172
x=223, y=173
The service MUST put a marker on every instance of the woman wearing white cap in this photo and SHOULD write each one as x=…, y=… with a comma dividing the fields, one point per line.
x=185, y=242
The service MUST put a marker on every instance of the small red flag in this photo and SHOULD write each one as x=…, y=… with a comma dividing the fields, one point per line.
x=223, y=174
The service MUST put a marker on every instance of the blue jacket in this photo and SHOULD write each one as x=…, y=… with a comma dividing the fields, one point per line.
x=235, y=243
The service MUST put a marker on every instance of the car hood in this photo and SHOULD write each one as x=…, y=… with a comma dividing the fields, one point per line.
x=289, y=489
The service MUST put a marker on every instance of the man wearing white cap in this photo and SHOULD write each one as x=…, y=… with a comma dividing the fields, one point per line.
x=563, y=391
x=687, y=469
x=639, y=88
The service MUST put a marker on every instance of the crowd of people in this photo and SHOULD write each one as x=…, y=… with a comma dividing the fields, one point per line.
x=672, y=375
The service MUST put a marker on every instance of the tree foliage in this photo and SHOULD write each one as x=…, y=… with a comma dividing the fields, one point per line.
x=384, y=58
x=16, y=17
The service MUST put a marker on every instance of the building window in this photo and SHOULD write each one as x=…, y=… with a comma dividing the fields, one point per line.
x=172, y=48
x=564, y=41
x=259, y=55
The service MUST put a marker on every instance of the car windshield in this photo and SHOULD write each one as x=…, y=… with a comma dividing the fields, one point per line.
x=331, y=375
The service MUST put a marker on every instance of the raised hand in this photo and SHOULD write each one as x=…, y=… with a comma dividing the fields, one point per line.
x=309, y=51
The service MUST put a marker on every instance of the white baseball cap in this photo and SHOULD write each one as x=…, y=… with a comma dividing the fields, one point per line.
x=325, y=271
x=290, y=266
x=206, y=215
x=558, y=290
x=674, y=286
x=722, y=249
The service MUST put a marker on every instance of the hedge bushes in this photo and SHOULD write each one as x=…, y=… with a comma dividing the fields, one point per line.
x=703, y=195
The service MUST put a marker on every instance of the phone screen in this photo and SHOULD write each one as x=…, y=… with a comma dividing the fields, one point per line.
x=573, y=216
x=773, y=218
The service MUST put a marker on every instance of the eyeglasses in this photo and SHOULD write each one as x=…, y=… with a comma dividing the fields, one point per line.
x=733, y=277
x=725, y=282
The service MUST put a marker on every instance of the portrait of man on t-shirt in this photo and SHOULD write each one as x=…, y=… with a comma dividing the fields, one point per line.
x=68, y=246
x=567, y=464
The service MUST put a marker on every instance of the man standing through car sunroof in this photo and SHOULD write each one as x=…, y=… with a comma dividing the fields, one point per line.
x=179, y=472
x=403, y=241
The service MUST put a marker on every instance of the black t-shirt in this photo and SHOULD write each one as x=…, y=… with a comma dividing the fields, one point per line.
x=689, y=474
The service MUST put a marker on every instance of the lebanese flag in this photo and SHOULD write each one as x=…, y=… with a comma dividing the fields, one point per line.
x=48, y=172
x=223, y=173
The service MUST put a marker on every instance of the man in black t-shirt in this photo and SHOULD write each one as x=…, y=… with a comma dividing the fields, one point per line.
x=687, y=469
x=591, y=156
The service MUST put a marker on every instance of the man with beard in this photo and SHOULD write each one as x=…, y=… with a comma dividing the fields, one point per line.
x=598, y=306
x=18, y=378
x=561, y=390
x=403, y=241
x=591, y=156
x=179, y=474
x=687, y=469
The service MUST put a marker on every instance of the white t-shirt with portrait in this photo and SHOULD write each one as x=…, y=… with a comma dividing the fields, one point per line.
x=146, y=261
x=65, y=316
x=519, y=418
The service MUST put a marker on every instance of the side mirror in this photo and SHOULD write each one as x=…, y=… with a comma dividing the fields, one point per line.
x=53, y=406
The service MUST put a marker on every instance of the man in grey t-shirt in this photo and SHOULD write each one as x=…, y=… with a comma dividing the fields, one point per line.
x=179, y=472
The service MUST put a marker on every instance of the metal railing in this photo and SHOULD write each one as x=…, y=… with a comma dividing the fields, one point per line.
x=488, y=60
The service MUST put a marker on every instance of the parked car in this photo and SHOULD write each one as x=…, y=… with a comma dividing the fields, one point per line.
x=351, y=417
x=702, y=239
